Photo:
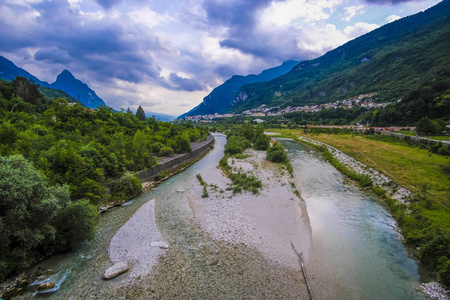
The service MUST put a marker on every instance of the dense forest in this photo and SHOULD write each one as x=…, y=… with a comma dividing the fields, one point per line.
x=60, y=161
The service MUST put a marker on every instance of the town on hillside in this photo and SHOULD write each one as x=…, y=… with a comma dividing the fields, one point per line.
x=363, y=100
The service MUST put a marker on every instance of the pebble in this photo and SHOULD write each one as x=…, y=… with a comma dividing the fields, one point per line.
x=435, y=291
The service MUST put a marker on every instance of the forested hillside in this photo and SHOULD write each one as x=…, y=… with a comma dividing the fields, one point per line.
x=61, y=160
x=392, y=61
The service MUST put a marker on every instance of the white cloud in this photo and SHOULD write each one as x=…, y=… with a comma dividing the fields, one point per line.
x=351, y=11
x=294, y=11
x=148, y=17
x=392, y=18
x=358, y=29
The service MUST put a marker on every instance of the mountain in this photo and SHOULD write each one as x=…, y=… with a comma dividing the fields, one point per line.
x=9, y=71
x=221, y=98
x=391, y=61
x=69, y=87
x=160, y=116
x=77, y=89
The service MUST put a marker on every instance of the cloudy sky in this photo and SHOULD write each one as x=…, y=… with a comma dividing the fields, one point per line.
x=166, y=55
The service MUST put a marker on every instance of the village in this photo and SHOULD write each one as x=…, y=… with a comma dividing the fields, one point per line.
x=363, y=100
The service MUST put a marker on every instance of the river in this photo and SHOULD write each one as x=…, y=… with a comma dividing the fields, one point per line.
x=357, y=254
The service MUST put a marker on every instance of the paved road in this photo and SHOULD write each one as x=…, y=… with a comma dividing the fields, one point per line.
x=414, y=137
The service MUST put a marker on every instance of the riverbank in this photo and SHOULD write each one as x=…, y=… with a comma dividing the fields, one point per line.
x=138, y=243
x=167, y=167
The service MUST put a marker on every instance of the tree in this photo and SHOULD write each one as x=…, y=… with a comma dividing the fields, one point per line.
x=277, y=154
x=27, y=205
x=140, y=114
x=426, y=126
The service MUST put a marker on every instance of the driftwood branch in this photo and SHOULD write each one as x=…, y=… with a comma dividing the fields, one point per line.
x=300, y=256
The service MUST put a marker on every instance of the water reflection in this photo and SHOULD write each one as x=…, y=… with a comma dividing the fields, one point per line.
x=357, y=253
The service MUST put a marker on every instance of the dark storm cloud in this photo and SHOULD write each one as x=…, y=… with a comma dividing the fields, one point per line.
x=233, y=14
x=107, y=4
x=179, y=83
x=104, y=48
x=240, y=19
x=53, y=55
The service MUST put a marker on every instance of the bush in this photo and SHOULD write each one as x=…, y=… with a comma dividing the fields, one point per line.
x=165, y=151
x=443, y=270
x=75, y=223
x=182, y=144
x=236, y=144
x=155, y=147
x=127, y=187
x=262, y=142
x=277, y=154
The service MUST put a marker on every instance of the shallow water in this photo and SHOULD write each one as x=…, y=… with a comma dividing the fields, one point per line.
x=357, y=253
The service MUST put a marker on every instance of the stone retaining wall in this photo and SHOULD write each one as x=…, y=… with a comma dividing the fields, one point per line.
x=174, y=163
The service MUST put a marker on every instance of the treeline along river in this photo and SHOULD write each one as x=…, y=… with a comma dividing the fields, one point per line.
x=356, y=251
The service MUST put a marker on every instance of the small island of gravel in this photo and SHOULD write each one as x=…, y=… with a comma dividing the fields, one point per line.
x=267, y=221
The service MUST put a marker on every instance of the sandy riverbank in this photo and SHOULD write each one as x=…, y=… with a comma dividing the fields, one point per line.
x=267, y=222
x=132, y=243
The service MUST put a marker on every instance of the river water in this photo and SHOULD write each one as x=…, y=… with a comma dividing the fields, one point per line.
x=357, y=254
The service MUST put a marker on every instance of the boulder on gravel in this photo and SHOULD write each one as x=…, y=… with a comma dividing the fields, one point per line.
x=116, y=270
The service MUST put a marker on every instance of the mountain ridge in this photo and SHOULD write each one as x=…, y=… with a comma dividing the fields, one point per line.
x=220, y=99
x=382, y=61
x=65, y=82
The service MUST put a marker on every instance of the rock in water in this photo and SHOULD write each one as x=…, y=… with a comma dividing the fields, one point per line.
x=162, y=245
x=46, y=286
x=116, y=270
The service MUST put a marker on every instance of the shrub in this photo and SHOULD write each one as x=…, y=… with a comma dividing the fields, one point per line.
x=126, y=187
x=75, y=223
x=443, y=270
x=277, y=154
x=262, y=142
x=182, y=144
x=165, y=151
x=236, y=144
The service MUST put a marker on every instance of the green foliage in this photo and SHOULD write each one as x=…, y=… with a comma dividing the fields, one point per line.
x=204, y=184
x=29, y=216
x=236, y=144
x=140, y=114
x=443, y=270
x=426, y=126
x=277, y=154
x=126, y=187
x=243, y=181
x=247, y=130
x=182, y=144
x=165, y=151
x=75, y=223
x=262, y=142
